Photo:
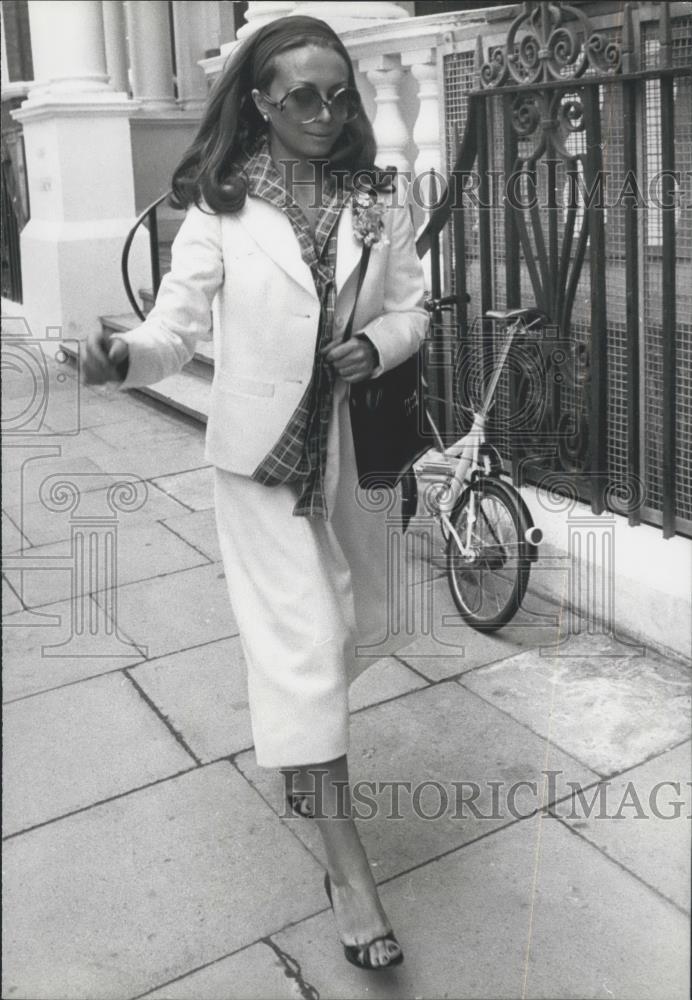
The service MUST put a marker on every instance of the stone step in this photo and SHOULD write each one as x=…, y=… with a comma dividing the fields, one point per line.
x=188, y=391
x=202, y=362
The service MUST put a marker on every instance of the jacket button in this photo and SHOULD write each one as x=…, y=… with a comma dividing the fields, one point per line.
x=339, y=323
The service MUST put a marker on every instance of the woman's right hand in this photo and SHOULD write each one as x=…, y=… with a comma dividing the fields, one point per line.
x=106, y=360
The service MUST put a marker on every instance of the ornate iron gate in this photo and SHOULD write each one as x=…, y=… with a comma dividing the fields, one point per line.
x=572, y=192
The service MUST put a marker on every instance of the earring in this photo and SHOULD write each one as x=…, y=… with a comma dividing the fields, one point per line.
x=266, y=117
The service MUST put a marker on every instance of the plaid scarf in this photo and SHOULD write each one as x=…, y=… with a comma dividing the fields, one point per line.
x=300, y=454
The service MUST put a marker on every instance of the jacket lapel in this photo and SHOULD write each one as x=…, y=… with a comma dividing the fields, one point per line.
x=348, y=249
x=273, y=232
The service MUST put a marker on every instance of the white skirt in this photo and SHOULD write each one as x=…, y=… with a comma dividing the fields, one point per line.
x=310, y=597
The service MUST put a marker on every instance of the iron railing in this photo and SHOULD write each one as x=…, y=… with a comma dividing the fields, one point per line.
x=9, y=245
x=12, y=222
x=148, y=215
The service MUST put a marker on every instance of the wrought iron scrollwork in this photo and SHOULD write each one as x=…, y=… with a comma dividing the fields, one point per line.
x=549, y=41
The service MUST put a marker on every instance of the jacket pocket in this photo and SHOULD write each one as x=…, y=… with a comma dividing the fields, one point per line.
x=244, y=426
x=243, y=386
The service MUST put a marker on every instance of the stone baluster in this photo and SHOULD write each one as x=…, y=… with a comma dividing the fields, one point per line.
x=426, y=130
x=149, y=40
x=385, y=74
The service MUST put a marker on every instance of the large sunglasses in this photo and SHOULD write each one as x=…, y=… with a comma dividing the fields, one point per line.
x=304, y=104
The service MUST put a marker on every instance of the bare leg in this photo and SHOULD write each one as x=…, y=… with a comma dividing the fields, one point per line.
x=357, y=908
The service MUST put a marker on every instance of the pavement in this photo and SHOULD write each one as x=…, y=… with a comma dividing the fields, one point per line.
x=540, y=842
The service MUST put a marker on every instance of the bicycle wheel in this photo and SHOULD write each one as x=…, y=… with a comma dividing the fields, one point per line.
x=488, y=584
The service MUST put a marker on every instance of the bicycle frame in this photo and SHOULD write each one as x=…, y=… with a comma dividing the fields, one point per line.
x=466, y=450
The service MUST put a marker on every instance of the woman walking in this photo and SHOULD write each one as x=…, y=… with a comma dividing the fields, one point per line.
x=275, y=226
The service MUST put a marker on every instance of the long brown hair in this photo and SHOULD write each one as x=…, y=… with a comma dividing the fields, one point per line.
x=232, y=127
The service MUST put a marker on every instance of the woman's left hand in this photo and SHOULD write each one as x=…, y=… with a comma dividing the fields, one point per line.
x=354, y=359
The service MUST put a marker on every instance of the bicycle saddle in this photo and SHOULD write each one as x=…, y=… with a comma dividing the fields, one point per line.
x=529, y=315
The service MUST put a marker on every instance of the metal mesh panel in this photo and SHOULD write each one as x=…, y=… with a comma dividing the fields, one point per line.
x=681, y=52
x=500, y=417
x=652, y=374
x=458, y=81
x=612, y=133
x=682, y=56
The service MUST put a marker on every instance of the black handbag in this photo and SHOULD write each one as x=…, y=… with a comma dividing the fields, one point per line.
x=386, y=415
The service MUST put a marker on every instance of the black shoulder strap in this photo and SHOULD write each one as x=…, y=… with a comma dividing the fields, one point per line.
x=364, y=258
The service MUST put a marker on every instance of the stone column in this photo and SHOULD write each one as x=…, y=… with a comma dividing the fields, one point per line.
x=115, y=34
x=385, y=73
x=192, y=40
x=68, y=47
x=79, y=170
x=149, y=41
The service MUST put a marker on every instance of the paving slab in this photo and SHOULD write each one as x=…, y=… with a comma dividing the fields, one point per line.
x=68, y=748
x=448, y=647
x=642, y=819
x=42, y=526
x=137, y=433
x=609, y=711
x=203, y=692
x=12, y=538
x=195, y=488
x=163, y=457
x=113, y=901
x=42, y=650
x=15, y=453
x=512, y=916
x=255, y=973
x=175, y=612
x=198, y=527
x=23, y=478
x=10, y=602
x=141, y=552
x=98, y=406
x=153, y=448
x=432, y=739
x=31, y=397
x=386, y=678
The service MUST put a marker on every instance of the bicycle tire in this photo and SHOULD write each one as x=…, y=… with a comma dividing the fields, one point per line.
x=501, y=559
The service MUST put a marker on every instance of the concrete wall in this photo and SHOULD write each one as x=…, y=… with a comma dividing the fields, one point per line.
x=643, y=580
x=158, y=143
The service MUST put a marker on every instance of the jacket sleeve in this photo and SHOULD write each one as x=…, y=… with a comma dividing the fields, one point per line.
x=398, y=332
x=182, y=313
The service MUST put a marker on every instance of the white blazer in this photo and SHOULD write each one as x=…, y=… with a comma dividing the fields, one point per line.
x=268, y=313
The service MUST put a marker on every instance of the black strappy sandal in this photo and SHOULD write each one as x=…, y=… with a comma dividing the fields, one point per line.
x=359, y=954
